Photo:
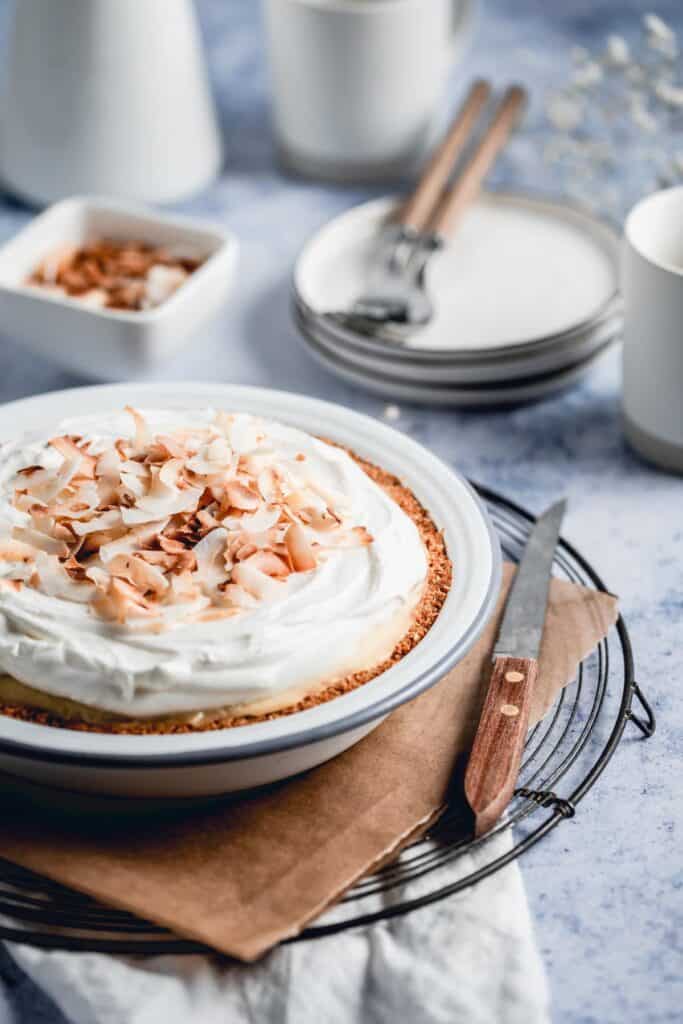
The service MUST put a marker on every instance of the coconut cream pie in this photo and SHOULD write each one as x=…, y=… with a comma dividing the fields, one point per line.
x=183, y=569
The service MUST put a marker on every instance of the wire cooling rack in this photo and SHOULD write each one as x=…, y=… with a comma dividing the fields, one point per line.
x=564, y=756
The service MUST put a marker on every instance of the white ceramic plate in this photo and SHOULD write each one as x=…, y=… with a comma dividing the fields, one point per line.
x=472, y=396
x=232, y=759
x=493, y=294
x=578, y=346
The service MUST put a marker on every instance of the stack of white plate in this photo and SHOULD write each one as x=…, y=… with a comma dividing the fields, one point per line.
x=525, y=297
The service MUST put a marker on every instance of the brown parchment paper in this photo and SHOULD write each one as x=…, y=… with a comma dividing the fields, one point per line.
x=241, y=876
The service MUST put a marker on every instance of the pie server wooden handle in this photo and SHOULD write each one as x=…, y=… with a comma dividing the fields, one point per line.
x=496, y=755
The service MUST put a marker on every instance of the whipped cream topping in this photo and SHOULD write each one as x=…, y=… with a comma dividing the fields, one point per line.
x=233, y=562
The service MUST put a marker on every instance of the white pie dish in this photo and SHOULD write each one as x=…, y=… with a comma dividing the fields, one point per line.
x=207, y=763
x=109, y=343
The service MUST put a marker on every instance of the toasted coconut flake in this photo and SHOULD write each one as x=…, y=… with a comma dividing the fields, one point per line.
x=24, y=502
x=97, y=575
x=323, y=522
x=17, y=560
x=121, y=601
x=54, y=580
x=83, y=498
x=74, y=568
x=258, y=462
x=264, y=519
x=207, y=519
x=12, y=585
x=183, y=588
x=211, y=571
x=46, y=484
x=16, y=551
x=241, y=435
x=241, y=497
x=244, y=551
x=211, y=614
x=41, y=541
x=160, y=505
x=165, y=562
x=174, y=449
x=147, y=578
x=307, y=500
x=269, y=485
x=269, y=563
x=299, y=549
x=103, y=521
x=355, y=537
x=135, y=468
x=165, y=527
x=108, y=465
x=142, y=434
x=170, y=472
x=237, y=596
x=255, y=582
x=363, y=537
x=67, y=447
x=94, y=541
x=131, y=487
x=41, y=520
x=219, y=450
x=132, y=539
x=170, y=545
x=62, y=531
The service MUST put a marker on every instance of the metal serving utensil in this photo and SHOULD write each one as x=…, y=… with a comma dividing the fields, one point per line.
x=494, y=762
x=397, y=303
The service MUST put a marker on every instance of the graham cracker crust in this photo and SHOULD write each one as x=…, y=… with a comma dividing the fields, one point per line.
x=437, y=586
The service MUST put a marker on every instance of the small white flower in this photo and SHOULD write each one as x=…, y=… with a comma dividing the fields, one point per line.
x=617, y=51
x=564, y=113
x=660, y=36
x=657, y=27
x=670, y=94
x=588, y=75
x=640, y=115
x=391, y=413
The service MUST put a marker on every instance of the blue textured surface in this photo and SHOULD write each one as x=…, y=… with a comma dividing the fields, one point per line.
x=605, y=888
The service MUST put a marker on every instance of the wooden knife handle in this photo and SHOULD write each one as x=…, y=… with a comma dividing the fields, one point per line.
x=466, y=188
x=494, y=762
x=421, y=205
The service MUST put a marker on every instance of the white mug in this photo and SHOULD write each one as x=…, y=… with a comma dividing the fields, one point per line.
x=106, y=96
x=652, y=286
x=356, y=83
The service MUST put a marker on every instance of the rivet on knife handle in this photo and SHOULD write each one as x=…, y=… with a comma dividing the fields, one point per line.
x=494, y=762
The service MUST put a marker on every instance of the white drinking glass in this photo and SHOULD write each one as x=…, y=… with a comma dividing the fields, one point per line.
x=652, y=286
x=356, y=83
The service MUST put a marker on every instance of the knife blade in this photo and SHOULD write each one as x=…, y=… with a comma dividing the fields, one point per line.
x=496, y=754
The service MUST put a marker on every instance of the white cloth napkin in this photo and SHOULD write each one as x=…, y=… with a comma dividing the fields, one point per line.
x=471, y=958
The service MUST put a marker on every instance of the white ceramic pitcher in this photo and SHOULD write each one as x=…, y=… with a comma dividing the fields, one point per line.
x=106, y=96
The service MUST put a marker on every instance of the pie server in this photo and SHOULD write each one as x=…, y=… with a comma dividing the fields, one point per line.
x=494, y=761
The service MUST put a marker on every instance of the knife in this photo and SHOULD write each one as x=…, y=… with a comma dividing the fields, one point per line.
x=496, y=754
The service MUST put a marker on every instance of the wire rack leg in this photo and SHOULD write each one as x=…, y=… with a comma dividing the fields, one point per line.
x=647, y=725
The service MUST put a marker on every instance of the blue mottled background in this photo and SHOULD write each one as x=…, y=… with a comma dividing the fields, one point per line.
x=605, y=887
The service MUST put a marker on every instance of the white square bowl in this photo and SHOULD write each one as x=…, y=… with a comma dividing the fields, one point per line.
x=106, y=343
